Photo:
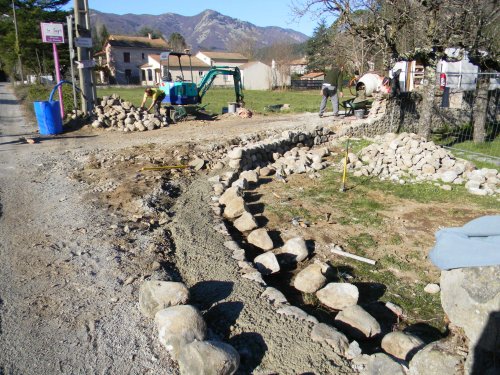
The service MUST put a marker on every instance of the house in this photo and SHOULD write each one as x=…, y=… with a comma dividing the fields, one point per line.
x=298, y=66
x=256, y=75
x=313, y=76
x=217, y=58
x=125, y=54
x=154, y=69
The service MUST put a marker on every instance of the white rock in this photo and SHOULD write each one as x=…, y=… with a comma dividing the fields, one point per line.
x=274, y=296
x=179, y=326
x=157, y=295
x=245, y=222
x=401, y=345
x=338, y=296
x=261, y=239
x=325, y=333
x=296, y=313
x=357, y=322
x=311, y=279
x=236, y=153
x=250, y=176
x=267, y=263
x=432, y=288
x=208, y=357
x=230, y=194
x=381, y=363
x=295, y=249
x=235, y=208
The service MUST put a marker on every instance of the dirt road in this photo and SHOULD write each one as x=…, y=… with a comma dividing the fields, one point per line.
x=69, y=275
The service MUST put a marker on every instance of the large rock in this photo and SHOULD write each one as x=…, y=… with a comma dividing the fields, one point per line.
x=436, y=359
x=208, y=358
x=325, y=333
x=230, y=194
x=235, y=208
x=471, y=299
x=338, y=296
x=267, y=263
x=295, y=249
x=311, y=279
x=261, y=239
x=157, y=295
x=382, y=364
x=274, y=296
x=356, y=321
x=401, y=345
x=250, y=176
x=245, y=222
x=179, y=326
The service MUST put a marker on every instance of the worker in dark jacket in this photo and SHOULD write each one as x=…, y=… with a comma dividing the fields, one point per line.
x=156, y=96
x=332, y=88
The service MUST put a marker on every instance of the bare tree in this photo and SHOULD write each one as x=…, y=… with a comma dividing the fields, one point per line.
x=418, y=30
x=247, y=46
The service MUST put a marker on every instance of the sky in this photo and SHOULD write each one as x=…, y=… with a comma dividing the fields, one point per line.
x=258, y=12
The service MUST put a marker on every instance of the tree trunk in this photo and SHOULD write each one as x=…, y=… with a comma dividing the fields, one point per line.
x=428, y=93
x=479, y=111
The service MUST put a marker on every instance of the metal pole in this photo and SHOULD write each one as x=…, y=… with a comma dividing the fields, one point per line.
x=58, y=77
x=18, y=50
x=69, y=20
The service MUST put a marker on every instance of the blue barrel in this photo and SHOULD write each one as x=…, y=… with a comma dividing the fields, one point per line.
x=48, y=114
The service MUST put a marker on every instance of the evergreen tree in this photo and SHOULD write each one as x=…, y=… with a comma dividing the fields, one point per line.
x=319, y=49
x=177, y=42
x=103, y=35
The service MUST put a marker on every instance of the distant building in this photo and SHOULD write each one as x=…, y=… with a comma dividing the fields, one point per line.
x=125, y=54
x=313, y=76
x=231, y=59
x=298, y=66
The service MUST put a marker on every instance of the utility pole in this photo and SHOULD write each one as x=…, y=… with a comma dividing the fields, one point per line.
x=18, y=49
x=69, y=20
x=87, y=79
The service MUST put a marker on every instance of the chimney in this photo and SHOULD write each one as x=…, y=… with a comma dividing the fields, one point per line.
x=150, y=36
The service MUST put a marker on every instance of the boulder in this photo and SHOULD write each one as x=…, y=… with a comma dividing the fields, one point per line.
x=197, y=164
x=245, y=222
x=274, y=296
x=295, y=250
x=157, y=295
x=235, y=153
x=267, y=263
x=382, y=364
x=296, y=313
x=250, y=176
x=449, y=176
x=311, y=279
x=207, y=358
x=338, y=296
x=356, y=321
x=230, y=194
x=235, y=208
x=436, y=359
x=179, y=326
x=401, y=345
x=325, y=333
x=432, y=288
x=470, y=298
x=260, y=238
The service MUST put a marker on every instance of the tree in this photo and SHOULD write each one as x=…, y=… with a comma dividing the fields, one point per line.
x=319, y=48
x=35, y=54
x=177, y=42
x=419, y=30
x=247, y=46
x=103, y=35
x=146, y=31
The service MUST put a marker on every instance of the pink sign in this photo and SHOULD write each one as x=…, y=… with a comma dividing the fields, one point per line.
x=52, y=32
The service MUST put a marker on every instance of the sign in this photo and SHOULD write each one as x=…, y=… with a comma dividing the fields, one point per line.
x=83, y=42
x=52, y=32
x=85, y=64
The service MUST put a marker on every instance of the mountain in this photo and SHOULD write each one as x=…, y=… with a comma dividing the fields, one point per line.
x=208, y=30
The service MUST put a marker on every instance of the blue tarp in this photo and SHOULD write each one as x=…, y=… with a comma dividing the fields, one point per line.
x=475, y=244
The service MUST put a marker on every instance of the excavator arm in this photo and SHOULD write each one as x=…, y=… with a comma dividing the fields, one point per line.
x=209, y=78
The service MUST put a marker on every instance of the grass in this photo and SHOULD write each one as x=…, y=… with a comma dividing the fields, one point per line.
x=216, y=98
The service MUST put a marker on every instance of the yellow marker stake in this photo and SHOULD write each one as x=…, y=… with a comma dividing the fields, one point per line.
x=344, y=175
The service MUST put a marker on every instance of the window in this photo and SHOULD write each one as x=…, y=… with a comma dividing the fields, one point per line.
x=143, y=56
x=200, y=74
x=150, y=75
x=143, y=75
x=126, y=57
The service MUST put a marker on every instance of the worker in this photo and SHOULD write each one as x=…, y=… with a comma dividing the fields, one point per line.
x=332, y=88
x=156, y=96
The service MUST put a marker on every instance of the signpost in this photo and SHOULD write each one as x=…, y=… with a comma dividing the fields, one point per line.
x=54, y=33
x=83, y=42
x=84, y=64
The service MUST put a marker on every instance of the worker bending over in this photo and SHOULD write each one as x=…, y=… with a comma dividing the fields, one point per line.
x=156, y=96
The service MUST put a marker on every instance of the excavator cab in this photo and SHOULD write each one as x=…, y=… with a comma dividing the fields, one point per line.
x=179, y=91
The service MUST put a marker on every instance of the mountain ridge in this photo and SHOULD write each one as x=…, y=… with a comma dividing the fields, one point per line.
x=208, y=30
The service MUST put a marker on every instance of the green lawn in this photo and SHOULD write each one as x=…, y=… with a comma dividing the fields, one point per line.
x=216, y=98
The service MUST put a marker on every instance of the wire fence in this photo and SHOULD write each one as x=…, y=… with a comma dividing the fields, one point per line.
x=466, y=113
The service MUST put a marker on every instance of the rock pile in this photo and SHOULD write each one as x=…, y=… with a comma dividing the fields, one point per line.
x=183, y=332
x=409, y=158
x=115, y=113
